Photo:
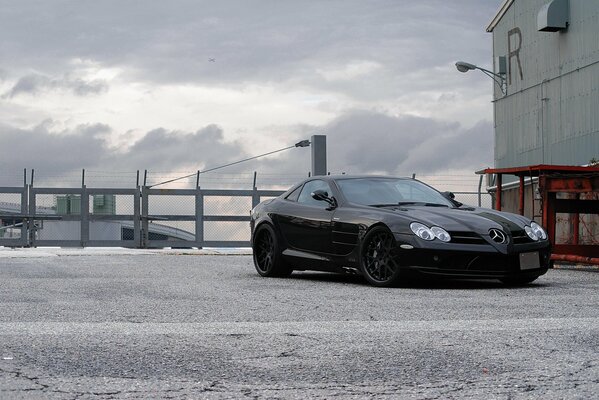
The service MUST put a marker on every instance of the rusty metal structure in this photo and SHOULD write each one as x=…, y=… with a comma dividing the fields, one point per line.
x=563, y=179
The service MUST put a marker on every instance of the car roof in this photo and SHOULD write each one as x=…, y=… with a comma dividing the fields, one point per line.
x=341, y=177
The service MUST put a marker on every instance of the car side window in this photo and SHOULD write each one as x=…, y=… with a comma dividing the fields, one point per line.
x=293, y=195
x=305, y=196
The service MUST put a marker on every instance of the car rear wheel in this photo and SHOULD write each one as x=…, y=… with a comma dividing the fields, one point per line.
x=268, y=259
x=378, y=260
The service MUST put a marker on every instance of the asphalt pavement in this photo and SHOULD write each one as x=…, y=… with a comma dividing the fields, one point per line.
x=185, y=325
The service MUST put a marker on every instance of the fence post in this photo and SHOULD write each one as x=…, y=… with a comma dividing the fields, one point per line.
x=199, y=217
x=137, y=215
x=24, y=210
x=255, y=194
x=30, y=221
x=144, y=216
x=84, y=216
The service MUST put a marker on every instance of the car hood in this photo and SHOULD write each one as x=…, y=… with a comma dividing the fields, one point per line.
x=471, y=219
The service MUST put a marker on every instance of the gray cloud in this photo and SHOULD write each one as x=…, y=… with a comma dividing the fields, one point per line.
x=53, y=152
x=254, y=41
x=357, y=142
x=85, y=147
x=35, y=83
x=165, y=150
x=366, y=142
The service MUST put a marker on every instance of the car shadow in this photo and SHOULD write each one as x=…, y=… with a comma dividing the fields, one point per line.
x=415, y=282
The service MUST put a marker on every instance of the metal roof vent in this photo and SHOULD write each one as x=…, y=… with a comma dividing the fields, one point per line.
x=553, y=16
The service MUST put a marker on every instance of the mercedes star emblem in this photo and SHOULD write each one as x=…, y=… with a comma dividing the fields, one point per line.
x=498, y=236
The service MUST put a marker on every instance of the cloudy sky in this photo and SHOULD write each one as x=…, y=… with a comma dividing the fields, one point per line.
x=189, y=84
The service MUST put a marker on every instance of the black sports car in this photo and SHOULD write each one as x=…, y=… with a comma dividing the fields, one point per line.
x=384, y=228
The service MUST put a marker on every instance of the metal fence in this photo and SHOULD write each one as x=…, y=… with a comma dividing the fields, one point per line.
x=135, y=218
x=144, y=216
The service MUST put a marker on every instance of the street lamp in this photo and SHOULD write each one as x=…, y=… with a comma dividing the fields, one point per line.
x=498, y=78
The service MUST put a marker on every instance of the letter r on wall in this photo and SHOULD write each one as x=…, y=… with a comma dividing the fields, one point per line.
x=514, y=53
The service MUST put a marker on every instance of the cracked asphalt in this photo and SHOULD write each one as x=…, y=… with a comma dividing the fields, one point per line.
x=203, y=326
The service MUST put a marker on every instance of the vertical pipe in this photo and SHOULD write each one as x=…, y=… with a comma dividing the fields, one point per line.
x=548, y=199
x=521, y=196
x=255, y=176
x=32, y=175
x=146, y=177
x=24, y=177
x=83, y=177
x=137, y=179
x=532, y=198
x=498, y=193
x=480, y=185
x=576, y=224
x=198, y=179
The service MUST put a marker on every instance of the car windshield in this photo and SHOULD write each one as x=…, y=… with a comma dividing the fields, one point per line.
x=391, y=191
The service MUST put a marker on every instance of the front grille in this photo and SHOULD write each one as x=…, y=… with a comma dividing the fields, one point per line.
x=466, y=238
x=519, y=237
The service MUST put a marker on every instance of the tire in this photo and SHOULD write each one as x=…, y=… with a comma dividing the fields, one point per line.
x=518, y=280
x=268, y=259
x=378, y=260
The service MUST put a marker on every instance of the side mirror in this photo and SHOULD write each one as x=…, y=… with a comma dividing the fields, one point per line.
x=320, y=195
x=323, y=195
x=449, y=195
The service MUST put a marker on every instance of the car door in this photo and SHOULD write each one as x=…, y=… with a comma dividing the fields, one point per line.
x=305, y=222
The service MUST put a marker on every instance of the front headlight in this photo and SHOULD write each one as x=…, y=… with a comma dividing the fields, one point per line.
x=538, y=230
x=441, y=234
x=426, y=233
x=422, y=231
x=531, y=234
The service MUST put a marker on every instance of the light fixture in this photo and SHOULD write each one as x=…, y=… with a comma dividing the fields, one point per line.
x=303, y=143
x=498, y=78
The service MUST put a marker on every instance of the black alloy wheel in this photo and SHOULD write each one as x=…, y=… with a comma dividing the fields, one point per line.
x=268, y=259
x=378, y=260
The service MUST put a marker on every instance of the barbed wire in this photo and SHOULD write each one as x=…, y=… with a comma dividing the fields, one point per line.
x=131, y=178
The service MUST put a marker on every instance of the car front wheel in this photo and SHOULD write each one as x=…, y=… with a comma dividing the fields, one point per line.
x=378, y=260
x=268, y=259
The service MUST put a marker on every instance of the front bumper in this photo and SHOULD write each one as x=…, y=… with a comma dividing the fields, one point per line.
x=467, y=260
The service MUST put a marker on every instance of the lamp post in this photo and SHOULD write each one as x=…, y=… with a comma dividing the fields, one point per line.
x=498, y=78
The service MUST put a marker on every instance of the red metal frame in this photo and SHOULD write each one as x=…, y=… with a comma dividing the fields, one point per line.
x=554, y=179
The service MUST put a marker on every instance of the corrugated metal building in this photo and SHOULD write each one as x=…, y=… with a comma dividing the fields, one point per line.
x=549, y=51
